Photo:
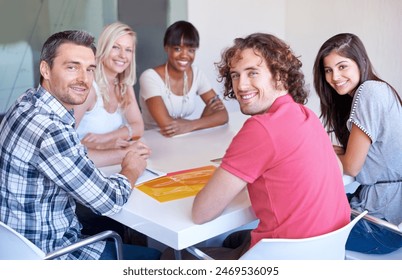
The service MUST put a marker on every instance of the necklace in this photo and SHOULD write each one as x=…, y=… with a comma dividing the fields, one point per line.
x=169, y=94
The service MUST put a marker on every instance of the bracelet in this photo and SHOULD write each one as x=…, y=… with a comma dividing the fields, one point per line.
x=130, y=131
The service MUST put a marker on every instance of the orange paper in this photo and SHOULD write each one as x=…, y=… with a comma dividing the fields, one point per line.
x=179, y=184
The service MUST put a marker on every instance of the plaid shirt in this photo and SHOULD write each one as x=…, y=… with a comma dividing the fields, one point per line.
x=44, y=169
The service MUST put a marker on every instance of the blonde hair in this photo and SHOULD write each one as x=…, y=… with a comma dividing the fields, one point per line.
x=125, y=79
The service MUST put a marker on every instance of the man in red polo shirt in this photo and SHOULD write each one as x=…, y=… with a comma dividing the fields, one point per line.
x=282, y=154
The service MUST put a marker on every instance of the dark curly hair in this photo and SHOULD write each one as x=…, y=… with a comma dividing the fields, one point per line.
x=280, y=60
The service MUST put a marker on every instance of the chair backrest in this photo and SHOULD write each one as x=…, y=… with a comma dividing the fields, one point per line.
x=14, y=246
x=329, y=246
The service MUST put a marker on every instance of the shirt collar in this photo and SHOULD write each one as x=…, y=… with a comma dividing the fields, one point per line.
x=287, y=98
x=46, y=97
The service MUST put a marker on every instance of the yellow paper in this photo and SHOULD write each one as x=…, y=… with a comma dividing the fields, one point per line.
x=178, y=184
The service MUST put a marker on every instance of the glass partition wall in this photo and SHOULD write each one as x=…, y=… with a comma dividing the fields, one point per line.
x=26, y=24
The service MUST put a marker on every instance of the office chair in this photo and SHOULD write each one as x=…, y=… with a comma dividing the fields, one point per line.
x=396, y=255
x=14, y=246
x=329, y=246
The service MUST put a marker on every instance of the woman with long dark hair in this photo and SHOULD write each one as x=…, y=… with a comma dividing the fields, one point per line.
x=365, y=114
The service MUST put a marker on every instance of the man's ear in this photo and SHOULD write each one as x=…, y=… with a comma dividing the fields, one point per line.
x=44, y=69
x=278, y=83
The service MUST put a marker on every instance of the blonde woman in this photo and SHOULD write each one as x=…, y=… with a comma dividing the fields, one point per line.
x=110, y=117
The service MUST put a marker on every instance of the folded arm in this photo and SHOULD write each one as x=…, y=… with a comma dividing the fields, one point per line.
x=214, y=114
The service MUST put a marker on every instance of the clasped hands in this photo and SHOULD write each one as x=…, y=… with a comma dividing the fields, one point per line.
x=135, y=160
x=181, y=126
x=176, y=127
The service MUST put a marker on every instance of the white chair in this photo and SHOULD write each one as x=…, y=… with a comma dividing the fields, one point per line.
x=396, y=255
x=329, y=246
x=14, y=246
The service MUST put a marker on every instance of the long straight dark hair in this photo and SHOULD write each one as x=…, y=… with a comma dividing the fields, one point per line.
x=335, y=108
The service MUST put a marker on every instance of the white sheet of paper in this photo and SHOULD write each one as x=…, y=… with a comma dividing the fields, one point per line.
x=148, y=175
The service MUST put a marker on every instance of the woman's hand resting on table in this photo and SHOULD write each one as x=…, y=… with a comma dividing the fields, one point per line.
x=102, y=142
x=176, y=127
x=181, y=126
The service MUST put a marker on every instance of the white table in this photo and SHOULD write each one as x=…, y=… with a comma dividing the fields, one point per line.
x=170, y=222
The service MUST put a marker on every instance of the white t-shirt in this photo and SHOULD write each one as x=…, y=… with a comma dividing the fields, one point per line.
x=151, y=84
x=98, y=120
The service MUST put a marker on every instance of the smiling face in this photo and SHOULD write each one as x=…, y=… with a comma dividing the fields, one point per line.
x=120, y=56
x=254, y=87
x=180, y=57
x=71, y=75
x=341, y=73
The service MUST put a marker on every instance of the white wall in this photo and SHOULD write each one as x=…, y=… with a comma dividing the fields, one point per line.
x=378, y=23
x=219, y=22
x=305, y=25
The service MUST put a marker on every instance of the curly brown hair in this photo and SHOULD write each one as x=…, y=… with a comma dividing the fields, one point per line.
x=280, y=59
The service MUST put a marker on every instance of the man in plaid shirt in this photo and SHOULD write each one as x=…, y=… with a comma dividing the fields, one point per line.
x=44, y=169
